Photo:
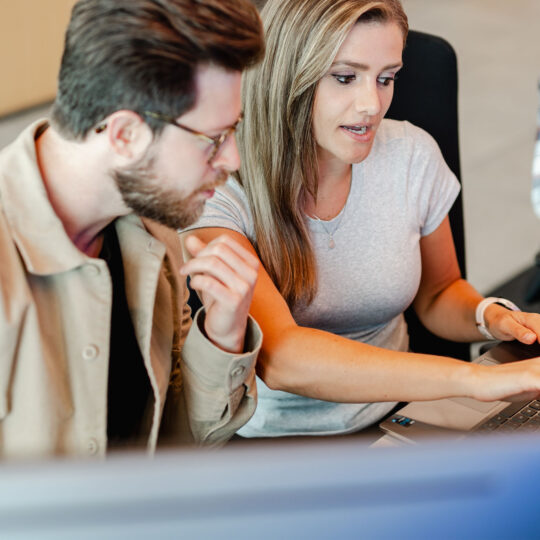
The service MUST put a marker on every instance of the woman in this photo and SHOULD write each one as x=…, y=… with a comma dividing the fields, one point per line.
x=348, y=215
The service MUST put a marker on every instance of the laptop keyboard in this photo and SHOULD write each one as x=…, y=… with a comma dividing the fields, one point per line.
x=516, y=416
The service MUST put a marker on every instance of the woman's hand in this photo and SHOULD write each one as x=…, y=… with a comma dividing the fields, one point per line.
x=507, y=325
x=515, y=381
x=224, y=274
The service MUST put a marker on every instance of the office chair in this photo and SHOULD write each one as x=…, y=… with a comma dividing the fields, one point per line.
x=532, y=292
x=425, y=94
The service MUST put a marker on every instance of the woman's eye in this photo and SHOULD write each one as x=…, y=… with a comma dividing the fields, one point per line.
x=344, y=79
x=385, y=81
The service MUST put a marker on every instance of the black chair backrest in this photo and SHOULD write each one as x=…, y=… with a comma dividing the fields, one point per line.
x=426, y=95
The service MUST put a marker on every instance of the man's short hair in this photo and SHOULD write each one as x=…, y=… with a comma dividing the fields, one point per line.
x=142, y=55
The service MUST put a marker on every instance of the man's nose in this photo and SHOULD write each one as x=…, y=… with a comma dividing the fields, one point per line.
x=228, y=156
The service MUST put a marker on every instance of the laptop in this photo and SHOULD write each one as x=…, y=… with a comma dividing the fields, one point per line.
x=459, y=417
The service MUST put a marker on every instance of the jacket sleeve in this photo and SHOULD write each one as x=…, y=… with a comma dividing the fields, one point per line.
x=219, y=387
x=211, y=393
x=14, y=306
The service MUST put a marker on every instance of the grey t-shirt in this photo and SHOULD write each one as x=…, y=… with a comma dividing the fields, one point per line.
x=399, y=193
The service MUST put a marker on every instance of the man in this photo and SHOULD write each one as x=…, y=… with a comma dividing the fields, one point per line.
x=95, y=351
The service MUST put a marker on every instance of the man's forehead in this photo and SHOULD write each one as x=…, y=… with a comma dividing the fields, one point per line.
x=211, y=80
x=217, y=96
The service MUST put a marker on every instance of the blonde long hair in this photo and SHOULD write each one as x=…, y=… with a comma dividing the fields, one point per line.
x=277, y=146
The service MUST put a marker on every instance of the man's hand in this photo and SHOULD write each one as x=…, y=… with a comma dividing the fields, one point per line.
x=224, y=274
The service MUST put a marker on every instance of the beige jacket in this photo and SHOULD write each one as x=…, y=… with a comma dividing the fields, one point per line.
x=55, y=306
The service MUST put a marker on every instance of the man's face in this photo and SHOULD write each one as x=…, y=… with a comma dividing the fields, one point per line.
x=171, y=183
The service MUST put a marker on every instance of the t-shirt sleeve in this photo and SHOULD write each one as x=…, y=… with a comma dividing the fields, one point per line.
x=436, y=185
x=228, y=208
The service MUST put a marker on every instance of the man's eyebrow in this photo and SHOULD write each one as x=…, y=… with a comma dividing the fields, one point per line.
x=364, y=67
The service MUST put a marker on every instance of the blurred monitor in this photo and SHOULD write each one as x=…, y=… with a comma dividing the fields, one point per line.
x=477, y=488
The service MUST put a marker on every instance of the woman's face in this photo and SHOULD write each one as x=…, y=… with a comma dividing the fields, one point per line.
x=353, y=97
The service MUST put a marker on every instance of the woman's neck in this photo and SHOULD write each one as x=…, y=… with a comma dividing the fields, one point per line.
x=332, y=190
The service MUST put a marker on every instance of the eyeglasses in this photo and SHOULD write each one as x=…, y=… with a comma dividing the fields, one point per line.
x=217, y=141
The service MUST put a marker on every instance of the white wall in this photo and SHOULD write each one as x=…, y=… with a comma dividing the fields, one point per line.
x=31, y=42
x=498, y=48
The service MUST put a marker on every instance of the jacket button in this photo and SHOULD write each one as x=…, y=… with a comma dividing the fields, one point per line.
x=90, y=352
x=93, y=446
x=237, y=371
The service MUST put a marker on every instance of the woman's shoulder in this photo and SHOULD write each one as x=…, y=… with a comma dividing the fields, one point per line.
x=232, y=188
x=402, y=130
x=229, y=208
x=399, y=140
x=230, y=193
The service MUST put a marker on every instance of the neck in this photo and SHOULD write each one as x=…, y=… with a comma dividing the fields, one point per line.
x=333, y=171
x=332, y=189
x=79, y=188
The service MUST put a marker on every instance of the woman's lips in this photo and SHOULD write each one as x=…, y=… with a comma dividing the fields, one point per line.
x=360, y=133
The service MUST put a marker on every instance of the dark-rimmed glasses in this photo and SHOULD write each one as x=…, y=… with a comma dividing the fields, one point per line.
x=217, y=141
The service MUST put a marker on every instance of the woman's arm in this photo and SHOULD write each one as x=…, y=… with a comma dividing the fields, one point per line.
x=325, y=366
x=446, y=303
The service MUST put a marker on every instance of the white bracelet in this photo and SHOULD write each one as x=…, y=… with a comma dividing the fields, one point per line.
x=481, y=308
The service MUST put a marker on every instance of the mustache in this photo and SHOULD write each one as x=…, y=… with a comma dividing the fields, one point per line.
x=219, y=180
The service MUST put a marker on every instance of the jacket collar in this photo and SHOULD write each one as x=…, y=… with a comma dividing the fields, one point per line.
x=37, y=231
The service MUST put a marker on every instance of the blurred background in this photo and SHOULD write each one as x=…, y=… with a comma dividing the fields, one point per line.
x=498, y=49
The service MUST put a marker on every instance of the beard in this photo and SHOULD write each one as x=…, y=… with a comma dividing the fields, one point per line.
x=143, y=193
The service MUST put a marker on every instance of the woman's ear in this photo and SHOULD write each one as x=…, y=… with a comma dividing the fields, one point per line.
x=129, y=136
